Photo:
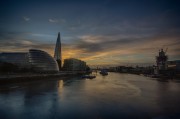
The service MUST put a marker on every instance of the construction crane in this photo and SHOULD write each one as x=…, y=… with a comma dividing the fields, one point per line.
x=166, y=50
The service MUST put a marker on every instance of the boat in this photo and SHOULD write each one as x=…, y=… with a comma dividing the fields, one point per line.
x=89, y=76
x=103, y=72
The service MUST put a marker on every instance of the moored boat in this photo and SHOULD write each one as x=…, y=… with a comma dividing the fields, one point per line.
x=103, y=72
x=89, y=76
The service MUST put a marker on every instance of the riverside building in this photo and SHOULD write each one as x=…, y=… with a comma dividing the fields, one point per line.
x=57, y=52
x=21, y=59
x=73, y=64
x=34, y=60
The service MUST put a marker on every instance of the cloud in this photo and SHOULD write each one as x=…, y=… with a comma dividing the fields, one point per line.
x=26, y=18
x=57, y=20
x=26, y=42
x=53, y=20
x=21, y=41
x=122, y=49
x=42, y=35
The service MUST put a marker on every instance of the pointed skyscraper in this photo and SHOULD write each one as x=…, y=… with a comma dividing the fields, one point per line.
x=57, y=52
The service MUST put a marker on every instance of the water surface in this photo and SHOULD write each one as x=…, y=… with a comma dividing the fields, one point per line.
x=116, y=96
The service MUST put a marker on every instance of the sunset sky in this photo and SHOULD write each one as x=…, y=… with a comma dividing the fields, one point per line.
x=100, y=32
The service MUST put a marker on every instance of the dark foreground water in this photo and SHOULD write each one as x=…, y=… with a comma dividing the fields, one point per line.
x=116, y=96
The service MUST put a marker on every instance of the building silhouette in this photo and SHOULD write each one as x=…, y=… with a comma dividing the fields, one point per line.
x=57, y=52
x=161, y=60
x=41, y=61
x=73, y=64
x=21, y=59
x=34, y=60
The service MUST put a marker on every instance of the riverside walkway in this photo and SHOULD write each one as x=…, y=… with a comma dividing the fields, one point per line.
x=16, y=77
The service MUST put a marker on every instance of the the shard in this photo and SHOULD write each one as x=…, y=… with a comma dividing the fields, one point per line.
x=57, y=53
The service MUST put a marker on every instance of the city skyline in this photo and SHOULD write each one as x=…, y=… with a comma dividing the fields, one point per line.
x=104, y=32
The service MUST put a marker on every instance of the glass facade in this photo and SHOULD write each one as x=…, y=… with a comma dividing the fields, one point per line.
x=35, y=60
x=20, y=59
x=42, y=61
x=57, y=52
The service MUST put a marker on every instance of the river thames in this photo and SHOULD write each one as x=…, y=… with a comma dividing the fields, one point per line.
x=116, y=96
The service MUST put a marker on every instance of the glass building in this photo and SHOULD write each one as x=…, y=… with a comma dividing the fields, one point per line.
x=35, y=60
x=57, y=52
x=42, y=61
x=20, y=59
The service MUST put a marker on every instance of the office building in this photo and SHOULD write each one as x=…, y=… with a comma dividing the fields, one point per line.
x=41, y=61
x=73, y=64
x=21, y=59
x=34, y=60
x=57, y=52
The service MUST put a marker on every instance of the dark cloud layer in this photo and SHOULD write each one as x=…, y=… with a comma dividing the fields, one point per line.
x=93, y=30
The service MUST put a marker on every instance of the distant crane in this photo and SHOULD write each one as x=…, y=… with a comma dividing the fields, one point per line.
x=161, y=59
x=166, y=50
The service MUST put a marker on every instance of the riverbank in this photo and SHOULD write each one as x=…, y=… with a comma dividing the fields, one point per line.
x=159, y=76
x=19, y=77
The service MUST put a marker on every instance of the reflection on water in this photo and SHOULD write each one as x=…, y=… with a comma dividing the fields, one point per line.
x=60, y=86
x=106, y=97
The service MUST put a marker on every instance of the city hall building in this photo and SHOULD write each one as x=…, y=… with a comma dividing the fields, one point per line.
x=36, y=60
